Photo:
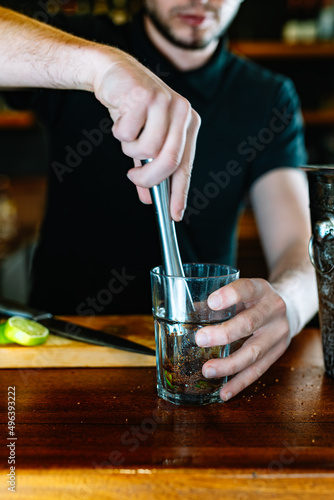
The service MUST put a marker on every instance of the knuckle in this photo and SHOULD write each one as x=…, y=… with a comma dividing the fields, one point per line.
x=197, y=120
x=126, y=148
x=116, y=130
x=148, y=147
x=260, y=284
x=188, y=171
x=152, y=151
x=250, y=322
x=163, y=99
x=226, y=336
x=185, y=176
x=267, y=307
x=125, y=108
x=256, y=372
x=183, y=106
x=124, y=131
x=249, y=286
x=140, y=93
x=286, y=332
x=280, y=305
x=172, y=163
x=127, y=136
x=256, y=353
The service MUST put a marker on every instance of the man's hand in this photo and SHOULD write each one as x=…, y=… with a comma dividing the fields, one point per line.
x=150, y=121
x=263, y=319
x=269, y=314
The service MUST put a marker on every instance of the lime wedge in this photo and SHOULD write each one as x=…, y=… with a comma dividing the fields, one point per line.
x=25, y=332
x=3, y=338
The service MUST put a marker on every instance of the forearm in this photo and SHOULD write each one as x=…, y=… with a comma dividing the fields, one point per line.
x=293, y=276
x=285, y=229
x=36, y=55
x=149, y=119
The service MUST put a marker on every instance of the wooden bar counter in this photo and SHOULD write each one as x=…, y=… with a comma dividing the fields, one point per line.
x=102, y=433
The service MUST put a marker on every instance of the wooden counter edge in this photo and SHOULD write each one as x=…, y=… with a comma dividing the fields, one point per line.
x=156, y=484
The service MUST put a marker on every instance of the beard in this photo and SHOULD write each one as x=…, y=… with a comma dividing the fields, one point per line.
x=196, y=42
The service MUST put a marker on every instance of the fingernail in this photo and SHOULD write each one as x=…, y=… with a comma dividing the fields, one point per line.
x=228, y=396
x=210, y=372
x=202, y=339
x=129, y=176
x=214, y=301
x=179, y=216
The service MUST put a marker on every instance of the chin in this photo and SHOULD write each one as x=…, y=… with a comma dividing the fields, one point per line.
x=191, y=42
x=195, y=45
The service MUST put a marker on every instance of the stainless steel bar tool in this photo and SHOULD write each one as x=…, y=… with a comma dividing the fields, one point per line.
x=180, y=296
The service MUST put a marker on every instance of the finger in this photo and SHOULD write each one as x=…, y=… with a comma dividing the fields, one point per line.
x=137, y=163
x=181, y=178
x=242, y=290
x=151, y=139
x=240, y=307
x=170, y=156
x=144, y=195
x=130, y=116
x=243, y=324
x=253, y=349
x=248, y=376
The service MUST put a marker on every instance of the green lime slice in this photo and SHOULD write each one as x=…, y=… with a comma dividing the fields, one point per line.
x=25, y=332
x=3, y=338
x=169, y=379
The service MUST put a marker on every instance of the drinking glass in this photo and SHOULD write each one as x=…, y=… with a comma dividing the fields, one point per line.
x=180, y=309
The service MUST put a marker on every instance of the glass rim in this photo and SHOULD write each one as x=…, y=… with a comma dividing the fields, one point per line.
x=234, y=272
x=325, y=168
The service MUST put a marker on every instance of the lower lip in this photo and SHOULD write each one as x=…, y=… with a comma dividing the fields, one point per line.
x=193, y=20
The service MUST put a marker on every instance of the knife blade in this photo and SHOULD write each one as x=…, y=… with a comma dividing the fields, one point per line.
x=71, y=330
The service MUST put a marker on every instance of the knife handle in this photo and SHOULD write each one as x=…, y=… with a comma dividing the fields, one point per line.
x=11, y=308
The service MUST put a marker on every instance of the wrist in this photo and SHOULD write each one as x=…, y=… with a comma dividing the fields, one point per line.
x=84, y=64
x=292, y=312
x=89, y=61
x=100, y=62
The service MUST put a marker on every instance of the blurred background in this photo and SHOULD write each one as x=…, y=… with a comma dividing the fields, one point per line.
x=293, y=37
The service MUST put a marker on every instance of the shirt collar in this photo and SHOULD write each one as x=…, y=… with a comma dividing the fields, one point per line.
x=205, y=81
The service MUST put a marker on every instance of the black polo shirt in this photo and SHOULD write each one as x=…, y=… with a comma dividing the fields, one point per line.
x=98, y=242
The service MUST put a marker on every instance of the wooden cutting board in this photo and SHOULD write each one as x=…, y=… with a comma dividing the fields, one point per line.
x=61, y=352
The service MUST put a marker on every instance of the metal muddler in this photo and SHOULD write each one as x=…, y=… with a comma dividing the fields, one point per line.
x=180, y=300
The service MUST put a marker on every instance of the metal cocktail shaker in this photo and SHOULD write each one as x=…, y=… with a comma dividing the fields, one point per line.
x=321, y=251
